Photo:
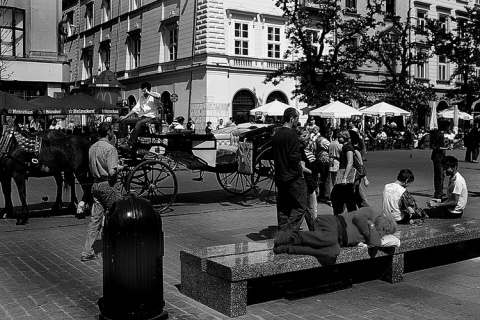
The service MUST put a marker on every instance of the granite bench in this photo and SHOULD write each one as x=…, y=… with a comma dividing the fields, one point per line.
x=218, y=276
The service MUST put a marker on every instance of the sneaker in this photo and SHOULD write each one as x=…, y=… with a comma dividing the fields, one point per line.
x=89, y=257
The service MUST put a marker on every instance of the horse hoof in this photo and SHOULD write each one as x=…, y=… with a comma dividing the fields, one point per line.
x=22, y=222
x=4, y=216
x=80, y=216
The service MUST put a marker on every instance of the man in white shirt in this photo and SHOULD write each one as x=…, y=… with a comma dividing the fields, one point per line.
x=457, y=193
x=145, y=109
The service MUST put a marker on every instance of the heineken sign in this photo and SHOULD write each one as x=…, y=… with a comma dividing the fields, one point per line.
x=81, y=111
x=19, y=111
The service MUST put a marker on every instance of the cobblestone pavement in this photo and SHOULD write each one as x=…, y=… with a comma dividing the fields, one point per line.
x=41, y=276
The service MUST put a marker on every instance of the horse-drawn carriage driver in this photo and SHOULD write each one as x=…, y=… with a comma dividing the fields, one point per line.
x=146, y=111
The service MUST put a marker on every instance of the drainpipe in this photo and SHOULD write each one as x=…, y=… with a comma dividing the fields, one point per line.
x=193, y=54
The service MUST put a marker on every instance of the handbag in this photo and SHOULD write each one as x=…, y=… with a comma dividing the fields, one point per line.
x=361, y=171
x=351, y=178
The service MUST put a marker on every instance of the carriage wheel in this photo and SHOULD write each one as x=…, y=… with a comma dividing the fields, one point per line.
x=263, y=176
x=154, y=181
x=235, y=182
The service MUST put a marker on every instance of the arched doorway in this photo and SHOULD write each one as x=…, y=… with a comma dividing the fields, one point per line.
x=132, y=101
x=442, y=105
x=242, y=103
x=277, y=95
x=167, y=105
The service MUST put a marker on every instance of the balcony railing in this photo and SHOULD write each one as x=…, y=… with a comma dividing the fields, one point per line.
x=264, y=64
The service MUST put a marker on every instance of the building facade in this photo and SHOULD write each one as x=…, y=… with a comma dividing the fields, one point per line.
x=31, y=62
x=208, y=58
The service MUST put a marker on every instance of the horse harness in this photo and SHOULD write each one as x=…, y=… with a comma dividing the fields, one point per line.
x=31, y=145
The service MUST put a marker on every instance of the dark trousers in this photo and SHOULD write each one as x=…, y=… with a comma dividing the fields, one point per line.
x=322, y=242
x=138, y=127
x=441, y=213
x=438, y=178
x=291, y=204
x=468, y=154
x=343, y=194
x=324, y=184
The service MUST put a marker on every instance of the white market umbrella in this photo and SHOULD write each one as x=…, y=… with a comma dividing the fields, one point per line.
x=335, y=109
x=433, y=116
x=450, y=114
x=384, y=109
x=274, y=108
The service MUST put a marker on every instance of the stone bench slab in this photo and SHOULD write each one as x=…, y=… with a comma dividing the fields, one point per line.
x=218, y=276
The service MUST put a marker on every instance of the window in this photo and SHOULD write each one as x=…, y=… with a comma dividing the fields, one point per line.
x=104, y=56
x=71, y=27
x=442, y=68
x=273, y=42
x=461, y=23
x=134, y=51
x=87, y=62
x=444, y=23
x=135, y=4
x=173, y=44
x=421, y=65
x=12, y=35
x=105, y=10
x=421, y=15
x=390, y=8
x=89, y=16
x=241, y=38
x=351, y=5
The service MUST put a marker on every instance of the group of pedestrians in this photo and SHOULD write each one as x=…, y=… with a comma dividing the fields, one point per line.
x=296, y=169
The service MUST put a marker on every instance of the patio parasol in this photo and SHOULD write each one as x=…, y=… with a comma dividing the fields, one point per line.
x=433, y=124
x=274, y=108
x=384, y=109
x=11, y=105
x=45, y=104
x=84, y=104
x=335, y=109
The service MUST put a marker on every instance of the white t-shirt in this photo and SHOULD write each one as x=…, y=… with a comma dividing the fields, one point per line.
x=391, y=200
x=458, y=186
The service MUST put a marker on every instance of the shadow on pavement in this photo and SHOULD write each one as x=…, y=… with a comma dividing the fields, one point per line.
x=264, y=234
x=217, y=196
x=42, y=210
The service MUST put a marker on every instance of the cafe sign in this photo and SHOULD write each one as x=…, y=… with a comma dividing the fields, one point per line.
x=52, y=111
x=19, y=111
x=81, y=111
x=109, y=111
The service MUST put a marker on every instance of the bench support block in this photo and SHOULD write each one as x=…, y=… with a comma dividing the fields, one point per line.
x=394, y=271
x=229, y=298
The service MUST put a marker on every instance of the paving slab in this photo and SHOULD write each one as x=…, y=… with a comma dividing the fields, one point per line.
x=41, y=276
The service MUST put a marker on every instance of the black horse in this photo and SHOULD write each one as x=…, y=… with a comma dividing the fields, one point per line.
x=44, y=154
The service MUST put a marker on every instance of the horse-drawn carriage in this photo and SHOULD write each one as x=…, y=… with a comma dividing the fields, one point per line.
x=241, y=157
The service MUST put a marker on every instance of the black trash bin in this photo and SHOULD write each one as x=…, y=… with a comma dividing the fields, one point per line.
x=132, y=262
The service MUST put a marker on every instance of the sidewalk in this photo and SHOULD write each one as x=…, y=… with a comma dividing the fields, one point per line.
x=41, y=276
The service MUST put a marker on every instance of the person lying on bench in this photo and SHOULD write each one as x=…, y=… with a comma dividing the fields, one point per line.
x=334, y=231
x=145, y=109
x=399, y=203
x=451, y=207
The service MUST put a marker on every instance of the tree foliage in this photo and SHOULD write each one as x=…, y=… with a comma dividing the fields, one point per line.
x=394, y=47
x=460, y=46
x=325, y=48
